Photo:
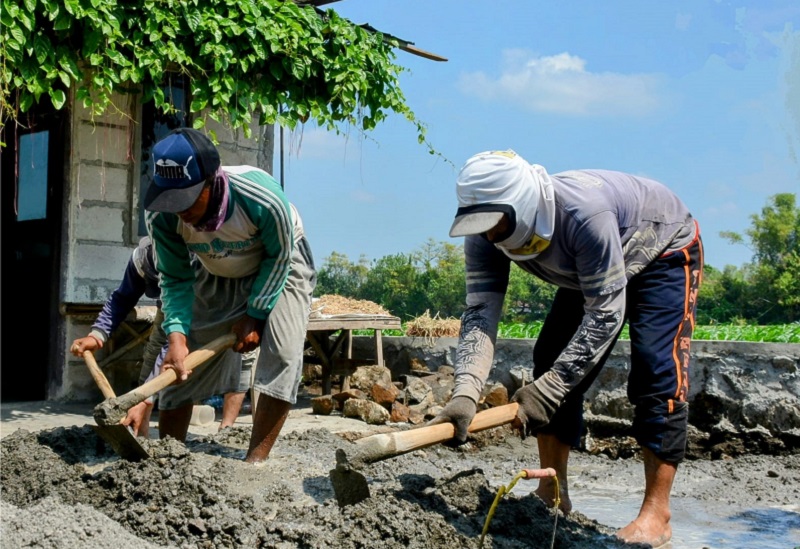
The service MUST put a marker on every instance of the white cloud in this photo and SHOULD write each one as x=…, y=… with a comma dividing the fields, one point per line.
x=363, y=196
x=682, y=21
x=724, y=210
x=719, y=190
x=561, y=84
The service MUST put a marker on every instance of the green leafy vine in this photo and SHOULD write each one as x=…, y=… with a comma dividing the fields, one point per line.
x=275, y=59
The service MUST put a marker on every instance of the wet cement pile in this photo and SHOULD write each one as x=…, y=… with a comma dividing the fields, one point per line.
x=202, y=495
x=64, y=488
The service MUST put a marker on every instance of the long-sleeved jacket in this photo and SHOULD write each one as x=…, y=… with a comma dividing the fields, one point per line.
x=608, y=227
x=140, y=278
x=256, y=238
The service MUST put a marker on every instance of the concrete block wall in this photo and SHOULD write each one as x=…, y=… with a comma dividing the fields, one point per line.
x=237, y=150
x=97, y=235
x=101, y=167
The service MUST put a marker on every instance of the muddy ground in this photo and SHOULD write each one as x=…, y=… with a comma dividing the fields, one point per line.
x=64, y=488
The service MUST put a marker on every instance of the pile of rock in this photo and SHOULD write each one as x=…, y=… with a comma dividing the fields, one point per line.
x=374, y=397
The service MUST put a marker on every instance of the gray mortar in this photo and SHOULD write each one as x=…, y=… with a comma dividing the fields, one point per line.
x=202, y=494
x=113, y=410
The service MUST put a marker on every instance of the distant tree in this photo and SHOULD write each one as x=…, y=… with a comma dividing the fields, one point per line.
x=392, y=282
x=774, y=237
x=442, y=279
x=339, y=276
x=528, y=298
x=726, y=297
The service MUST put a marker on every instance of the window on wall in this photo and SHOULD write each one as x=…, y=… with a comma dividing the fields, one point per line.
x=32, y=190
x=155, y=125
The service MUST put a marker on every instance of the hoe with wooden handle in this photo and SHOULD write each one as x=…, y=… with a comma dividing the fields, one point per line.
x=351, y=487
x=119, y=437
x=110, y=413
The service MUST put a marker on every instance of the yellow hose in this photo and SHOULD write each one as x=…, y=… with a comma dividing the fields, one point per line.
x=503, y=490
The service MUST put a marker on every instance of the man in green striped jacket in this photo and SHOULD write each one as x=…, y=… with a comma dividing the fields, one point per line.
x=257, y=283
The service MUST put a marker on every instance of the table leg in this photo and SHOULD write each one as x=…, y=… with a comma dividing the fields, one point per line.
x=346, y=380
x=379, y=347
x=319, y=344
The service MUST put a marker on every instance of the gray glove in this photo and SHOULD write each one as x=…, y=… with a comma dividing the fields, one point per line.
x=535, y=409
x=459, y=411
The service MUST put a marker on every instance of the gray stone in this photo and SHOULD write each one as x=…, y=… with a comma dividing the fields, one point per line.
x=417, y=391
x=366, y=376
x=368, y=411
x=732, y=384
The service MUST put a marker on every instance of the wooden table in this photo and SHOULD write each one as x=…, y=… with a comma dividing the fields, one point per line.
x=333, y=355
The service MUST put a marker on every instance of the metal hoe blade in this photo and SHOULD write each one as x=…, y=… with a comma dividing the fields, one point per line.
x=122, y=440
x=349, y=485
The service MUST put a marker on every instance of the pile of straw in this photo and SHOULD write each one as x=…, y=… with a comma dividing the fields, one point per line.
x=430, y=327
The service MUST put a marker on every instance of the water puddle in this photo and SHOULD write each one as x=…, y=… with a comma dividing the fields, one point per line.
x=696, y=524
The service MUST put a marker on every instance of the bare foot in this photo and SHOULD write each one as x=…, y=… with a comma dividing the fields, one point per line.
x=650, y=531
x=547, y=493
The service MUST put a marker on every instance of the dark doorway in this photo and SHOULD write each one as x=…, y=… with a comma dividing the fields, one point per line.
x=156, y=124
x=32, y=189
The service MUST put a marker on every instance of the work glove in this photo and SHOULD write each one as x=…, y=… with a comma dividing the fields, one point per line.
x=535, y=409
x=459, y=411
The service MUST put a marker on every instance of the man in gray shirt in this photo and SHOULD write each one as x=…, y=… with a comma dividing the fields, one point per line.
x=619, y=248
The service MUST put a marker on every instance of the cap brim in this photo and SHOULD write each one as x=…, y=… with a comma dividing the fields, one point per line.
x=171, y=200
x=475, y=223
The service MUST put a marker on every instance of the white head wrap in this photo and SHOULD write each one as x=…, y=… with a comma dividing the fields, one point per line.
x=504, y=178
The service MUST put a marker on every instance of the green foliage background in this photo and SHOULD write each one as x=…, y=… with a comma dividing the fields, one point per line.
x=273, y=58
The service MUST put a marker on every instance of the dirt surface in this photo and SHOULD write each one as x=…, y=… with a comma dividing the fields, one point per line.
x=63, y=487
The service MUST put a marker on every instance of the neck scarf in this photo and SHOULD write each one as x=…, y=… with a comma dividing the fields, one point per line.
x=217, y=204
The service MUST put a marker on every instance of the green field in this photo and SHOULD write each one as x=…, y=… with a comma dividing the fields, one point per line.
x=782, y=333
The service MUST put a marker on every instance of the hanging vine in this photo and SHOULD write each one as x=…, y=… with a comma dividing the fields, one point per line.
x=275, y=59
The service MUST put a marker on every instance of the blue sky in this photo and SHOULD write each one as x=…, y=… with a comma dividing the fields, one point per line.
x=702, y=95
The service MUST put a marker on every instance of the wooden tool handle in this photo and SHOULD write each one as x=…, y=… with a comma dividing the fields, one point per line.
x=192, y=361
x=384, y=445
x=113, y=410
x=493, y=417
x=97, y=374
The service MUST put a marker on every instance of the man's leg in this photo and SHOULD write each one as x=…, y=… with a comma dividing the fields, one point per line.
x=268, y=421
x=564, y=431
x=175, y=423
x=231, y=406
x=662, y=305
x=280, y=360
x=554, y=453
x=652, y=525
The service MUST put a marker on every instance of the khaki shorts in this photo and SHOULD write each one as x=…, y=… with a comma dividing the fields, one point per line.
x=219, y=303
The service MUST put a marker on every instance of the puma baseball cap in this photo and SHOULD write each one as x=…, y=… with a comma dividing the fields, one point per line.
x=182, y=162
